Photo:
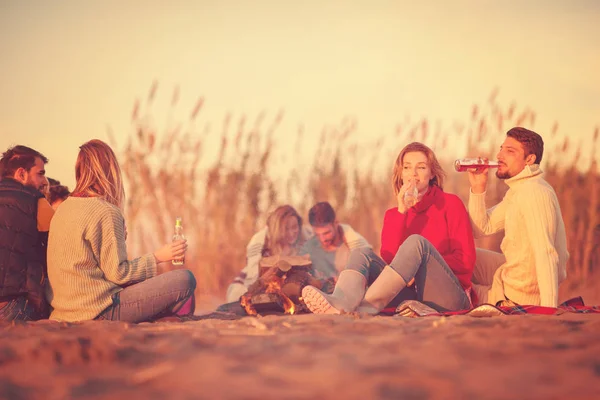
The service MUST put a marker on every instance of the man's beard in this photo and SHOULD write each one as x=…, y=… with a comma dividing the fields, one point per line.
x=327, y=243
x=503, y=175
x=30, y=183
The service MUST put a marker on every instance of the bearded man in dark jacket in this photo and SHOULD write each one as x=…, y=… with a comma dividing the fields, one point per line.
x=25, y=216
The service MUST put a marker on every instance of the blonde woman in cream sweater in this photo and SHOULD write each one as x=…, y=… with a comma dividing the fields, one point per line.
x=89, y=271
x=534, y=249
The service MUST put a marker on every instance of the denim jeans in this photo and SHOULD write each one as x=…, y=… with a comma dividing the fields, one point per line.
x=486, y=264
x=19, y=309
x=370, y=265
x=154, y=298
x=435, y=283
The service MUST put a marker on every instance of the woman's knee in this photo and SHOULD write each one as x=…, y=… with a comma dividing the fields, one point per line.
x=415, y=240
x=360, y=260
x=184, y=278
x=413, y=243
x=361, y=252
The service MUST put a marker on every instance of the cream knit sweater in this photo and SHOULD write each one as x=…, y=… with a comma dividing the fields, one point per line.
x=534, y=244
x=87, y=259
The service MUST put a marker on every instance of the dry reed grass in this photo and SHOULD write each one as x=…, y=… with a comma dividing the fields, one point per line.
x=223, y=204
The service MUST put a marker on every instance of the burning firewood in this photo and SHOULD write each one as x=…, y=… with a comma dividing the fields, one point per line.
x=279, y=286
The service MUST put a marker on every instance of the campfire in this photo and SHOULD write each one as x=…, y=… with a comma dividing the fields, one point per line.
x=279, y=286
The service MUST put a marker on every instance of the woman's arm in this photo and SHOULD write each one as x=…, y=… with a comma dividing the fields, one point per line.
x=250, y=272
x=109, y=238
x=461, y=257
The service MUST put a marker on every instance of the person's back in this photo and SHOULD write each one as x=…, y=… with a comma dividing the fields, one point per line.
x=90, y=274
x=21, y=244
x=82, y=233
x=23, y=235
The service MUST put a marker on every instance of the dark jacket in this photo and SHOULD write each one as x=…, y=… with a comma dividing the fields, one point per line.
x=22, y=247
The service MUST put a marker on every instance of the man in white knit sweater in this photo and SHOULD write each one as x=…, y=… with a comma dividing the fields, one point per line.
x=534, y=249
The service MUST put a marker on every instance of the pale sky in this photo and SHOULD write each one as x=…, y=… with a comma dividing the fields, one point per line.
x=69, y=69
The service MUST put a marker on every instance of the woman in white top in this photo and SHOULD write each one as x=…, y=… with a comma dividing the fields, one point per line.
x=283, y=235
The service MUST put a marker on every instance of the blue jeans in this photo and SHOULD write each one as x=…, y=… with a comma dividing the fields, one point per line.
x=154, y=298
x=436, y=284
x=20, y=309
x=370, y=265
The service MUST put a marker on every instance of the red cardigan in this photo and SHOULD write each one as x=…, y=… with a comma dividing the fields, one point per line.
x=443, y=220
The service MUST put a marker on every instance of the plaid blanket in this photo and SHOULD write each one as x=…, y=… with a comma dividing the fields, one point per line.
x=413, y=308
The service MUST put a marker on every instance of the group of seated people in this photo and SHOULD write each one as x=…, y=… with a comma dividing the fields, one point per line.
x=427, y=247
x=70, y=263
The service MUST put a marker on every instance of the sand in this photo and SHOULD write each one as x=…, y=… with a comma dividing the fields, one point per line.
x=305, y=357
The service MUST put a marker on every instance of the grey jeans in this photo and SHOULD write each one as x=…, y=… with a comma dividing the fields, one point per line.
x=370, y=265
x=486, y=264
x=435, y=283
x=154, y=298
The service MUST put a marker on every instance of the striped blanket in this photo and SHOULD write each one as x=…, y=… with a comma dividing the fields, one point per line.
x=413, y=308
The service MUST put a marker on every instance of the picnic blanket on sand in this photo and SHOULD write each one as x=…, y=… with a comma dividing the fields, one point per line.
x=413, y=308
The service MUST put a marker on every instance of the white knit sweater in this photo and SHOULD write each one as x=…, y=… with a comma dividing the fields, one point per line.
x=87, y=259
x=534, y=244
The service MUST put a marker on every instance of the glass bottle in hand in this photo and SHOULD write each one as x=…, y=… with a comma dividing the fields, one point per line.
x=411, y=196
x=178, y=236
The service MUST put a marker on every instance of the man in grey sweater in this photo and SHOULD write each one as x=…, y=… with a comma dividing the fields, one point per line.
x=330, y=247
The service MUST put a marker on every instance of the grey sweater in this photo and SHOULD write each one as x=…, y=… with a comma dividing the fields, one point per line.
x=87, y=259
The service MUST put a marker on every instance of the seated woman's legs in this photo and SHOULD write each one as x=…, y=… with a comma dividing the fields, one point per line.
x=350, y=287
x=437, y=286
x=435, y=283
x=164, y=295
x=349, y=290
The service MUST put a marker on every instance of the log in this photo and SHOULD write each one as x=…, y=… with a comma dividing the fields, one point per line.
x=266, y=302
x=281, y=280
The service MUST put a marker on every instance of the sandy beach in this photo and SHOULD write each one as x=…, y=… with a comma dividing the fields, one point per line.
x=305, y=357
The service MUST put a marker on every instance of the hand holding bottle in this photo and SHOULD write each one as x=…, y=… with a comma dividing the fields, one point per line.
x=408, y=195
x=178, y=236
x=171, y=251
x=478, y=177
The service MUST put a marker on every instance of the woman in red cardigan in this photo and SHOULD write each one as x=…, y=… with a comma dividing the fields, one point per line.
x=427, y=241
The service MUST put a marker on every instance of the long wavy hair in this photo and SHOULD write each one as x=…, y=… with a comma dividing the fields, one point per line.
x=97, y=173
x=436, y=169
x=275, y=241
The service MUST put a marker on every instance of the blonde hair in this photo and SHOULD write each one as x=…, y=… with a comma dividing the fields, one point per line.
x=98, y=174
x=275, y=241
x=436, y=169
